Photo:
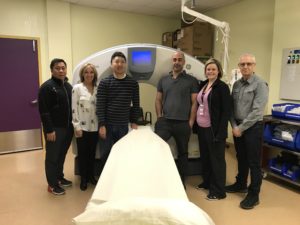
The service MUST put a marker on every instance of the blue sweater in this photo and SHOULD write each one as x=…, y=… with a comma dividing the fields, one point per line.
x=114, y=100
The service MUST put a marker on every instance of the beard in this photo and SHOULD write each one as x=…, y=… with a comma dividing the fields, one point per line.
x=177, y=67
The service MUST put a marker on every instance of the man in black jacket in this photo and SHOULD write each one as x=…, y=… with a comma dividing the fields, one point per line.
x=55, y=111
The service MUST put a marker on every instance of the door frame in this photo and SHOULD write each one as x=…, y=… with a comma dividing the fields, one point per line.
x=37, y=39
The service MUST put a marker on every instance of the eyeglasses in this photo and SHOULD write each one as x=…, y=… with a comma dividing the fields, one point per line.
x=246, y=64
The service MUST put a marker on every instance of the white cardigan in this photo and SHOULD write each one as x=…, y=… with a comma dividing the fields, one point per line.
x=84, y=108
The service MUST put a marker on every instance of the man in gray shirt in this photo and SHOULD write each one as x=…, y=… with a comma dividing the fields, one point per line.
x=250, y=95
x=176, y=108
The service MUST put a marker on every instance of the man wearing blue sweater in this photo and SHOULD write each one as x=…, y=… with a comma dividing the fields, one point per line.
x=116, y=95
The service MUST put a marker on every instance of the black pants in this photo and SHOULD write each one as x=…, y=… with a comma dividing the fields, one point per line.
x=86, y=146
x=248, y=153
x=56, y=153
x=181, y=132
x=212, y=155
x=113, y=134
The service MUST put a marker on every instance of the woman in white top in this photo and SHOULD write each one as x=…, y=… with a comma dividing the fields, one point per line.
x=85, y=123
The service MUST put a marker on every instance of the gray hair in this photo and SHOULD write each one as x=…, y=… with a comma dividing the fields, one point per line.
x=249, y=55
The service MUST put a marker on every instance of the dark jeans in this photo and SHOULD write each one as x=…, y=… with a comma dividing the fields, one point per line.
x=213, y=161
x=180, y=131
x=56, y=153
x=248, y=152
x=86, y=146
x=113, y=134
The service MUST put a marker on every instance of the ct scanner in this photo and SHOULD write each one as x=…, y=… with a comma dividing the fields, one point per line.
x=146, y=63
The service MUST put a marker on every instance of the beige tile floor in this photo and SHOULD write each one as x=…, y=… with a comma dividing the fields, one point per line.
x=25, y=201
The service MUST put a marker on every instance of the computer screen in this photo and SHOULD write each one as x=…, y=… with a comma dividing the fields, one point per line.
x=141, y=57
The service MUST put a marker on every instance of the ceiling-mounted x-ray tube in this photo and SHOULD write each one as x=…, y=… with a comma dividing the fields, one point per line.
x=223, y=27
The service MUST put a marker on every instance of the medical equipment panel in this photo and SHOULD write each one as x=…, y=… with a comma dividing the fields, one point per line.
x=141, y=62
x=290, y=74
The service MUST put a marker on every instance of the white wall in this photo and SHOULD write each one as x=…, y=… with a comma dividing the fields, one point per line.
x=286, y=35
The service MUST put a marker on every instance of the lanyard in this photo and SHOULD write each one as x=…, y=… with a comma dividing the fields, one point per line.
x=203, y=92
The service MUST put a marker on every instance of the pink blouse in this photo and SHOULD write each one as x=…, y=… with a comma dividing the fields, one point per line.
x=203, y=117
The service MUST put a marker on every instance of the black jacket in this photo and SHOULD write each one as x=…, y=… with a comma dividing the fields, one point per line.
x=220, y=106
x=55, y=104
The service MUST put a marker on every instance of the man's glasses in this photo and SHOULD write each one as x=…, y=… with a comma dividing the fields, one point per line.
x=246, y=64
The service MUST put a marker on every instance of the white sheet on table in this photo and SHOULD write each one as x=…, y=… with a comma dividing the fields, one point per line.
x=140, y=185
x=140, y=165
x=144, y=211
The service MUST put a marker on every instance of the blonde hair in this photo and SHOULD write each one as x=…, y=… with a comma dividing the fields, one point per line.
x=83, y=69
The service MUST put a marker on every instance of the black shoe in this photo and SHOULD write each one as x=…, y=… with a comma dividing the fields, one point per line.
x=202, y=186
x=92, y=180
x=64, y=182
x=56, y=190
x=83, y=185
x=213, y=197
x=250, y=201
x=236, y=187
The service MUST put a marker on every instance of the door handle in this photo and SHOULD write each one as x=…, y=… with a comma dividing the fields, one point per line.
x=34, y=102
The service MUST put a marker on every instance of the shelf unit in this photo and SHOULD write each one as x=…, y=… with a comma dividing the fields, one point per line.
x=267, y=148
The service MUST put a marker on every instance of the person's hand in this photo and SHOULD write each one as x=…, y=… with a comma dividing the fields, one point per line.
x=78, y=133
x=191, y=123
x=236, y=132
x=51, y=136
x=134, y=126
x=102, y=132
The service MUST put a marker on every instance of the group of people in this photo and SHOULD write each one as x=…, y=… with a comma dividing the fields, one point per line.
x=90, y=111
x=87, y=110
x=181, y=100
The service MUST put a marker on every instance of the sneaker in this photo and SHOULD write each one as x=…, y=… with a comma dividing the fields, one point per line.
x=56, y=190
x=250, y=201
x=213, y=197
x=202, y=186
x=64, y=182
x=236, y=187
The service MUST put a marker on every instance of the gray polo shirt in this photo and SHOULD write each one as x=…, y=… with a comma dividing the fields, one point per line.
x=176, y=102
x=249, y=100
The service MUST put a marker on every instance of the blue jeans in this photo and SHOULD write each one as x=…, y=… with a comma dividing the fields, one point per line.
x=113, y=134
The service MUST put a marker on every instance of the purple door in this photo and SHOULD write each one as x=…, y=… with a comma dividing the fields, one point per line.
x=18, y=86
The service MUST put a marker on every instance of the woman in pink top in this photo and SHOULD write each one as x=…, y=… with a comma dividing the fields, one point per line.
x=213, y=114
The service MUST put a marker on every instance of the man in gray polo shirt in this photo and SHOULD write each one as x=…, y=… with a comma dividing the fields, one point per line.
x=250, y=95
x=176, y=108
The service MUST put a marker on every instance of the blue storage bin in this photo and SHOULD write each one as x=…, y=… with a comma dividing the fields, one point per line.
x=292, y=116
x=291, y=171
x=278, y=113
x=268, y=137
x=268, y=130
x=276, y=166
x=285, y=114
x=297, y=142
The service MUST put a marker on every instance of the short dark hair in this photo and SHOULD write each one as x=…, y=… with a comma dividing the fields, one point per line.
x=55, y=61
x=117, y=54
x=82, y=70
x=217, y=63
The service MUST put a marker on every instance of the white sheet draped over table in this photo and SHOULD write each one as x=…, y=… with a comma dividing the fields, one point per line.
x=140, y=165
x=140, y=185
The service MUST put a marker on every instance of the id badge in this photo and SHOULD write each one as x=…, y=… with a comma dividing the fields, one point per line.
x=201, y=109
